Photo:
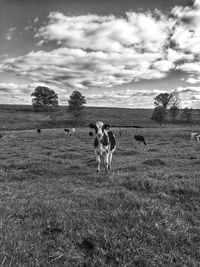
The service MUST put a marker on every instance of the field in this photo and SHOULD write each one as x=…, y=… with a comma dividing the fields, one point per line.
x=20, y=117
x=57, y=211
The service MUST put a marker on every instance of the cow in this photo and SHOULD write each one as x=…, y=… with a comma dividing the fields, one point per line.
x=104, y=144
x=140, y=139
x=195, y=136
x=38, y=130
x=90, y=133
x=67, y=131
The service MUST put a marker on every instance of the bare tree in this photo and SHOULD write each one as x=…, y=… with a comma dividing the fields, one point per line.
x=187, y=114
x=159, y=114
x=174, y=111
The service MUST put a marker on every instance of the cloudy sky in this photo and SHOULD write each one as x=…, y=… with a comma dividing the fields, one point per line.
x=116, y=53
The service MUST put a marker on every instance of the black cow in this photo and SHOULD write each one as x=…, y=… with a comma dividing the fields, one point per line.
x=140, y=139
x=90, y=133
x=67, y=131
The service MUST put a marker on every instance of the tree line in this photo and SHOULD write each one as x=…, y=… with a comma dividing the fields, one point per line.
x=45, y=99
x=168, y=104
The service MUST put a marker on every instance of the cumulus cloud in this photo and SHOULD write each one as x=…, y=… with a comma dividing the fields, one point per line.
x=97, y=51
x=93, y=51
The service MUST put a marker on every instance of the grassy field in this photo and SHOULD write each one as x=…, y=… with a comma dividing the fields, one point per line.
x=22, y=117
x=56, y=211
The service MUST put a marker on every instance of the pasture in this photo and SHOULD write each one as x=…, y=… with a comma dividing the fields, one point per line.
x=57, y=211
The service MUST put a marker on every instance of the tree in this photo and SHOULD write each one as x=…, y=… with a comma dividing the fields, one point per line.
x=187, y=114
x=175, y=100
x=159, y=114
x=174, y=111
x=76, y=105
x=174, y=103
x=44, y=99
x=163, y=100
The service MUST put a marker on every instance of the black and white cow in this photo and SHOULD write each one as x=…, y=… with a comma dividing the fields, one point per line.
x=195, y=137
x=68, y=132
x=140, y=139
x=104, y=144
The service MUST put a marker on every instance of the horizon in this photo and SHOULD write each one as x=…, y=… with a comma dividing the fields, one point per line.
x=118, y=55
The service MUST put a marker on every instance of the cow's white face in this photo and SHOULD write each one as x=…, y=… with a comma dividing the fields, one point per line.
x=99, y=129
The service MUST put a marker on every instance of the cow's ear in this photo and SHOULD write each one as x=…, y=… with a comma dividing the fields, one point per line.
x=106, y=126
x=92, y=125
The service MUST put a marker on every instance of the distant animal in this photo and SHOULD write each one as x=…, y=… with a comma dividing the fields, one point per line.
x=120, y=133
x=195, y=137
x=104, y=144
x=140, y=139
x=67, y=131
x=38, y=130
x=90, y=133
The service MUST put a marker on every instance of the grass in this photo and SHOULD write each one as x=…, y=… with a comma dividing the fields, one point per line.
x=56, y=211
x=18, y=117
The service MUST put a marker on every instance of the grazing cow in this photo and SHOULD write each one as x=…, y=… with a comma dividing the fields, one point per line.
x=90, y=133
x=104, y=144
x=195, y=136
x=140, y=139
x=38, y=130
x=67, y=131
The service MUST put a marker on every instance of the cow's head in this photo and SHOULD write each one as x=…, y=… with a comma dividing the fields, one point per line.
x=99, y=129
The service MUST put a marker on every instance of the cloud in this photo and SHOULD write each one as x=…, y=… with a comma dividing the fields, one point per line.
x=97, y=51
x=105, y=33
x=189, y=96
x=193, y=80
x=82, y=69
x=125, y=98
x=10, y=33
x=36, y=20
x=21, y=93
x=93, y=51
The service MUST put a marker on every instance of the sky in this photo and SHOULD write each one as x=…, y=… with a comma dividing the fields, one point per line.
x=116, y=53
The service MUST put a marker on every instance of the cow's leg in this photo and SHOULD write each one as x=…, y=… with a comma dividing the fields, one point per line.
x=106, y=163
x=98, y=159
x=109, y=160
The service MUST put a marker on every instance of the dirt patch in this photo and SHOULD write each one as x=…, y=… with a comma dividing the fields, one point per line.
x=154, y=162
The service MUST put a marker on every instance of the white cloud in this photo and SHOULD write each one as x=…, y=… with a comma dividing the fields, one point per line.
x=189, y=96
x=10, y=33
x=21, y=93
x=36, y=20
x=93, y=51
x=125, y=98
x=193, y=80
